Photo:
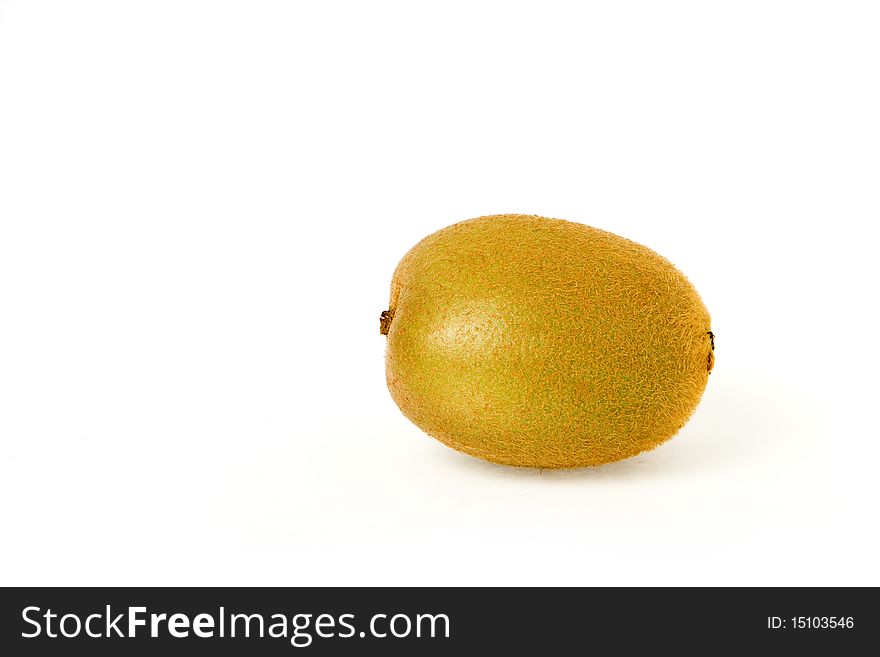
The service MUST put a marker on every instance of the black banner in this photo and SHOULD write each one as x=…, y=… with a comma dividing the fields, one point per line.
x=325, y=621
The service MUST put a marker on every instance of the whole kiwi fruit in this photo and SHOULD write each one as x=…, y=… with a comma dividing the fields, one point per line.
x=545, y=343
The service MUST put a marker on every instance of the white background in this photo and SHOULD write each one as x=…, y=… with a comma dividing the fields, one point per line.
x=202, y=203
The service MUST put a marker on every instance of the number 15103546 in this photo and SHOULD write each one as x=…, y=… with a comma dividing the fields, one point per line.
x=810, y=623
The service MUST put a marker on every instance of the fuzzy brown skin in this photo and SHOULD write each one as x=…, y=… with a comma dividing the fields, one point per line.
x=544, y=343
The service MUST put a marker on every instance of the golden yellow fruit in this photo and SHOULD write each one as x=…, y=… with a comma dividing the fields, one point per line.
x=545, y=343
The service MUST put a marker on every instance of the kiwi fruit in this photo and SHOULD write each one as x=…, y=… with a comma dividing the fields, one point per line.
x=544, y=343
